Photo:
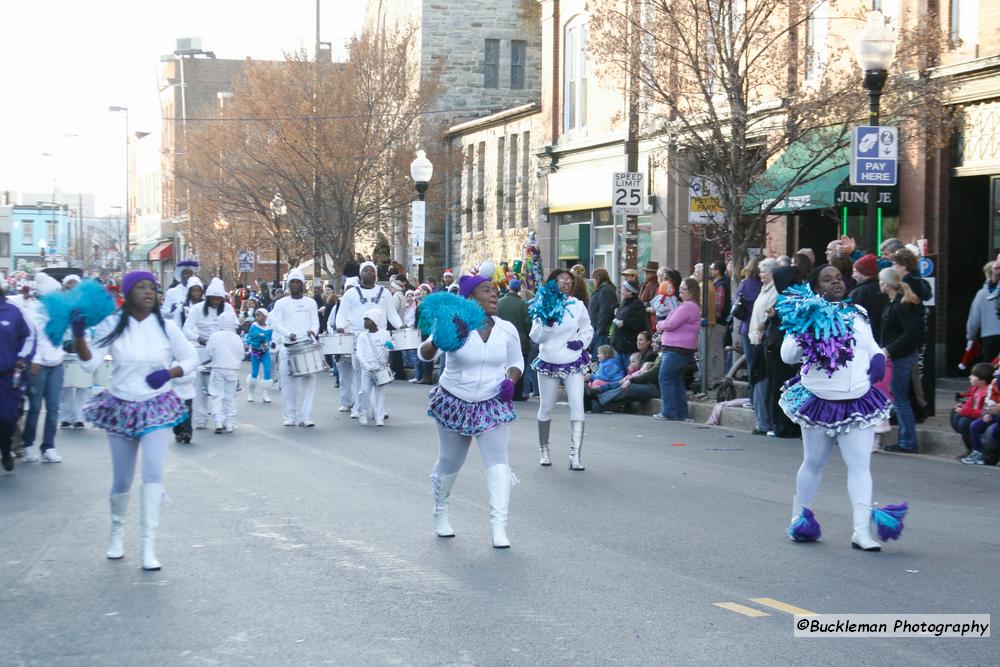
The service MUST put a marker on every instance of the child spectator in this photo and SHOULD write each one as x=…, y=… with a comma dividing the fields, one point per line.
x=225, y=354
x=971, y=408
x=373, y=352
x=608, y=369
x=988, y=421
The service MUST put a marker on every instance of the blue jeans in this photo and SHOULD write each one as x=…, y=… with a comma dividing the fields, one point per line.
x=45, y=386
x=672, y=393
x=900, y=386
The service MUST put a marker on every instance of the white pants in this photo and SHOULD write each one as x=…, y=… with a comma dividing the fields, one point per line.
x=345, y=369
x=292, y=389
x=222, y=388
x=200, y=407
x=124, y=452
x=371, y=397
x=71, y=403
x=855, y=449
x=548, y=391
x=356, y=372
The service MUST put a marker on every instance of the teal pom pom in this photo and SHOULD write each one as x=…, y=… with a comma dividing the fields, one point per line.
x=549, y=304
x=89, y=297
x=450, y=319
x=389, y=345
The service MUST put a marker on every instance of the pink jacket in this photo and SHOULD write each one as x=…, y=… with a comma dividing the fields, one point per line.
x=681, y=327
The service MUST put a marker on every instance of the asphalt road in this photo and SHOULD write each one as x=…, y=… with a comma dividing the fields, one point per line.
x=291, y=546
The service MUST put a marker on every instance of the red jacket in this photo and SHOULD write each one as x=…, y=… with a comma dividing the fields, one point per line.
x=973, y=406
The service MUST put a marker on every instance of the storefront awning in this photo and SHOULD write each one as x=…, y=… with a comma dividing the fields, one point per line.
x=163, y=252
x=818, y=162
x=140, y=253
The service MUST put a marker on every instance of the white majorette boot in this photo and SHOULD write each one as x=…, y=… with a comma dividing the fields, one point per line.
x=251, y=388
x=116, y=543
x=543, y=443
x=152, y=498
x=862, y=537
x=575, y=445
x=498, y=484
x=441, y=486
x=265, y=386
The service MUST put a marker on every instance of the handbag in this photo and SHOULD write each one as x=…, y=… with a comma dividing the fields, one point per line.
x=741, y=310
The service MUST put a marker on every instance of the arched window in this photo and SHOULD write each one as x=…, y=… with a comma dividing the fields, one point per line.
x=575, y=74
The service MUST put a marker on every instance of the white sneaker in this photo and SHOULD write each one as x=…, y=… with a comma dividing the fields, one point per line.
x=343, y=408
x=229, y=429
x=288, y=422
x=51, y=456
x=31, y=455
x=307, y=423
x=380, y=422
x=413, y=380
x=354, y=415
x=363, y=420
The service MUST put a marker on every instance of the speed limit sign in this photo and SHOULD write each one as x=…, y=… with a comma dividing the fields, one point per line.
x=626, y=193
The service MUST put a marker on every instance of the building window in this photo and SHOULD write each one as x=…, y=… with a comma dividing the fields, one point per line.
x=525, y=161
x=575, y=88
x=491, y=64
x=4, y=244
x=512, y=183
x=52, y=235
x=468, y=188
x=518, y=48
x=27, y=232
x=500, y=181
x=964, y=23
x=481, y=186
x=816, y=30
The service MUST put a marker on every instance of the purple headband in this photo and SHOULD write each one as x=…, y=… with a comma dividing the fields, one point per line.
x=133, y=277
x=468, y=283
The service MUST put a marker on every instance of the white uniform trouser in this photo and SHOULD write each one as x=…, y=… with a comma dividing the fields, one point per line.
x=200, y=407
x=71, y=403
x=345, y=369
x=371, y=397
x=292, y=389
x=222, y=388
x=548, y=391
x=855, y=449
x=356, y=372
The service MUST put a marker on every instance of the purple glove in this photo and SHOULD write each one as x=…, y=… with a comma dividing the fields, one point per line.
x=575, y=345
x=157, y=379
x=876, y=368
x=77, y=323
x=506, y=390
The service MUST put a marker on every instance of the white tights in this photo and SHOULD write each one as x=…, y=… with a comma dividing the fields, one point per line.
x=548, y=391
x=454, y=447
x=855, y=449
x=124, y=452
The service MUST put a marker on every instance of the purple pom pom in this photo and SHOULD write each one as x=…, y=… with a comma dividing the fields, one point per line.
x=805, y=528
x=889, y=521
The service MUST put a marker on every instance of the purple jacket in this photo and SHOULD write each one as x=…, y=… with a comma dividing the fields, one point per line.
x=16, y=342
x=750, y=289
x=681, y=327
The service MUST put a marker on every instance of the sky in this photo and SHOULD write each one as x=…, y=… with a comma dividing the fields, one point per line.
x=66, y=61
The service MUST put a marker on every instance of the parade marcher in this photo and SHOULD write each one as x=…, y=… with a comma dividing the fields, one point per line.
x=177, y=293
x=225, y=353
x=835, y=402
x=45, y=380
x=17, y=347
x=345, y=365
x=295, y=318
x=372, y=347
x=138, y=407
x=73, y=398
x=351, y=314
x=202, y=321
x=561, y=327
x=258, y=339
x=187, y=386
x=474, y=395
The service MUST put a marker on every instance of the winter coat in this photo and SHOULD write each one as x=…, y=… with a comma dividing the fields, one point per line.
x=632, y=313
x=902, y=328
x=868, y=295
x=602, y=308
x=983, y=319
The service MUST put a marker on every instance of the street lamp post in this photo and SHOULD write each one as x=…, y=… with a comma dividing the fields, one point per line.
x=874, y=49
x=278, y=208
x=43, y=247
x=421, y=171
x=128, y=206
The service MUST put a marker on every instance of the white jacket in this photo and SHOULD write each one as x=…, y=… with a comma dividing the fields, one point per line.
x=758, y=318
x=199, y=325
x=372, y=352
x=552, y=340
x=357, y=300
x=474, y=372
x=846, y=383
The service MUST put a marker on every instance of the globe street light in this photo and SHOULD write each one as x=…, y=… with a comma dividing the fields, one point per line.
x=278, y=208
x=43, y=247
x=874, y=49
x=421, y=171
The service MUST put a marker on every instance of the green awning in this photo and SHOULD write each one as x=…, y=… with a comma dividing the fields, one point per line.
x=140, y=253
x=819, y=162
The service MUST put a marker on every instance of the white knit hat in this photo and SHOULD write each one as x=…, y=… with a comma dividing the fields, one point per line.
x=71, y=279
x=216, y=287
x=295, y=274
x=376, y=315
x=227, y=320
x=195, y=281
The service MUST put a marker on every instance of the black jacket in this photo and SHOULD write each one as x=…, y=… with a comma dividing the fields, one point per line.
x=902, y=327
x=868, y=296
x=602, y=308
x=632, y=313
x=920, y=287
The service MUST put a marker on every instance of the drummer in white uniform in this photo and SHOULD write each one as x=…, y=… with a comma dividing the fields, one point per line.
x=175, y=296
x=351, y=317
x=345, y=367
x=73, y=397
x=294, y=318
x=201, y=323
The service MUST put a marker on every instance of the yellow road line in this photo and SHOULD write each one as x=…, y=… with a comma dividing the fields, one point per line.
x=781, y=606
x=740, y=609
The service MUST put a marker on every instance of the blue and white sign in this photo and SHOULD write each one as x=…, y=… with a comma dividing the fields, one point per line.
x=925, y=266
x=875, y=155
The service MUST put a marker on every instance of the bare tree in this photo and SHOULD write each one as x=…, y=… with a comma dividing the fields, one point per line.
x=108, y=242
x=731, y=84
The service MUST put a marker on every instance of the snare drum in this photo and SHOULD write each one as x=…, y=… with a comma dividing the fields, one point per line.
x=304, y=358
x=382, y=376
x=406, y=339
x=102, y=376
x=73, y=374
x=337, y=343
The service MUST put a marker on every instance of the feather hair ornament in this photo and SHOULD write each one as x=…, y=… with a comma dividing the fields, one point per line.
x=89, y=297
x=549, y=304
x=823, y=329
x=450, y=319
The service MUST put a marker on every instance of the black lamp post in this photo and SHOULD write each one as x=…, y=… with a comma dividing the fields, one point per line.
x=874, y=49
x=421, y=171
x=278, y=208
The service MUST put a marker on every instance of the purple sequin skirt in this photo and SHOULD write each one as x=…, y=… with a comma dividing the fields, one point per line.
x=808, y=410
x=134, y=419
x=562, y=370
x=467, y=418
